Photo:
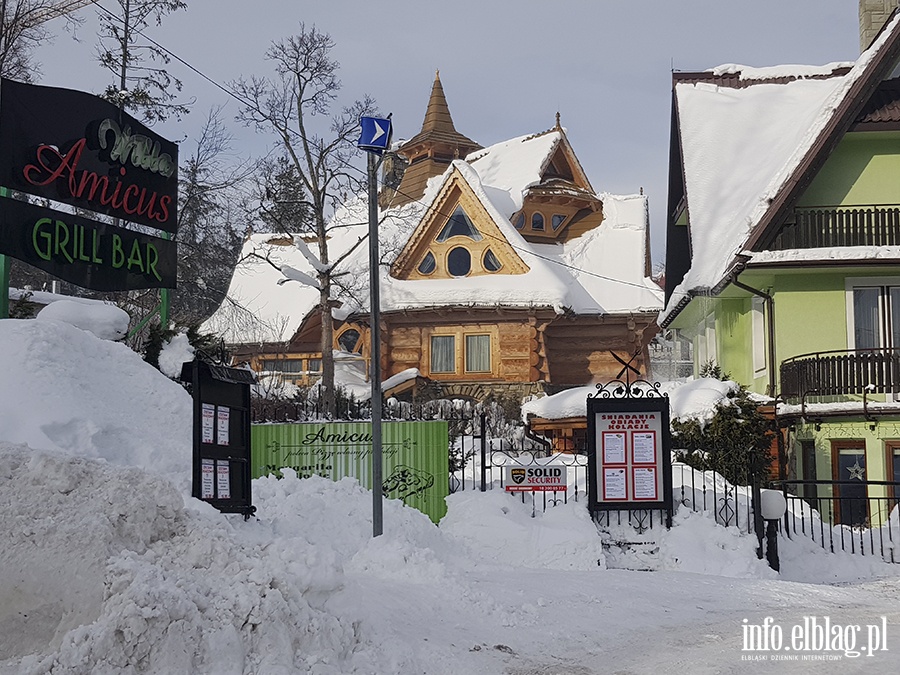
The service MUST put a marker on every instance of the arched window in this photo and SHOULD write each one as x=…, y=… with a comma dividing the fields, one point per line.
x=428, y=264
x=348, y=340
x=459, y=225
x=459, y=262
x=491, y=262
x=537, y=221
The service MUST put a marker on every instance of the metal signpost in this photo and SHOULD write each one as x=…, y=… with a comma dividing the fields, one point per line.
x=375, y=139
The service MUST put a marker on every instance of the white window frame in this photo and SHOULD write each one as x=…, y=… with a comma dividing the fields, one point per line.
x=758, y=335
x=852, y=283
x=712, y=351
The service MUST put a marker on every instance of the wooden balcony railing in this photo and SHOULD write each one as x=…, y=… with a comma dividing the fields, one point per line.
x=877, y=225
x=838, y=373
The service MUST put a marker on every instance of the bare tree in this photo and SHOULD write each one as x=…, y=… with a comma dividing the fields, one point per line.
x=212, y=215
x=142, y=84
x=303, y=91
x=22, y=29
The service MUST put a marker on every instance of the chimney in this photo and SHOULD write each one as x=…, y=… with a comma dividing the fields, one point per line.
x=873, y=14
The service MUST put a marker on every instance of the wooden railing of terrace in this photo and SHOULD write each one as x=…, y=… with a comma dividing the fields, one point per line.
x=825, y=227
x=836, y=373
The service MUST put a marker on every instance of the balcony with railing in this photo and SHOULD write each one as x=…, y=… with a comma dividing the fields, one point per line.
x=852, y=372
x=829, y=226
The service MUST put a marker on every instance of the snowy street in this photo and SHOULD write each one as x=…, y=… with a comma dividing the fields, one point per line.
x=109, y=566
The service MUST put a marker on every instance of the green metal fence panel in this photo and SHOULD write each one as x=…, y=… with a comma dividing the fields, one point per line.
x=415, y=454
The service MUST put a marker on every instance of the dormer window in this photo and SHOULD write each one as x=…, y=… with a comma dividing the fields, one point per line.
x=520, y=221
x=459, y=225
x=557, y=221
x=537, y=221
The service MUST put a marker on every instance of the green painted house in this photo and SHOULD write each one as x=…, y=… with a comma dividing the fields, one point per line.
x=783, y=258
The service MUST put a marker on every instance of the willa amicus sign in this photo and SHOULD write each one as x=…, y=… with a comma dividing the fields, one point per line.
x=415, y=457
x=85, y=252
x=78, y=149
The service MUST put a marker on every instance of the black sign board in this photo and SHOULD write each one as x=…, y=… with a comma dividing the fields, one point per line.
x=221, y=474
x=629, y=452
x=80, y=150
x=85, y=252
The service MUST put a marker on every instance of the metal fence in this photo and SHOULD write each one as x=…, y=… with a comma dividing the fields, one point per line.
x=708, y=492
x=839, y=516
x=484, y=458
x=845, y=515
x=851, y=516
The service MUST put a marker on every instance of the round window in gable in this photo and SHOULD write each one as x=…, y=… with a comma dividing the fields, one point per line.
x=428, y=264
x=491, y=262
x=459, y=262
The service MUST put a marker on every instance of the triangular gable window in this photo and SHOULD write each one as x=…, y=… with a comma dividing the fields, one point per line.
x=459, y=225
x=559, y=168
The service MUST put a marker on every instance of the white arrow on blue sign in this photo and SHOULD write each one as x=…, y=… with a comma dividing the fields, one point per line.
x=376, y=134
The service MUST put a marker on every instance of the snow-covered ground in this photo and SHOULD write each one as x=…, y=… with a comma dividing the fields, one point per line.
x=108, y=566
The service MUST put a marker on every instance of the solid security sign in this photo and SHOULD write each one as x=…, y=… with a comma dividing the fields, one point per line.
x=376, y=134
x=548, y=478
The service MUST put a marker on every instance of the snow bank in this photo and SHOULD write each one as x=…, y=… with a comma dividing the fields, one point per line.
x=106, y=571
x=70, y=392
x=498, y=528
x=107, y=322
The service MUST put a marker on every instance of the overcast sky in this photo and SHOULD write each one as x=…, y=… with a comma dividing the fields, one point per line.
x=507, y=66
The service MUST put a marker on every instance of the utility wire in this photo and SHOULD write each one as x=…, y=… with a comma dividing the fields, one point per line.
x=428, y=207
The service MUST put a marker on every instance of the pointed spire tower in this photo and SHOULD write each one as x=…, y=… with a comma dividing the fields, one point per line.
x=431, y=150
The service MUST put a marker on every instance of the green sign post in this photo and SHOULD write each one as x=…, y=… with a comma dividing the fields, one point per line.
x=415, y=455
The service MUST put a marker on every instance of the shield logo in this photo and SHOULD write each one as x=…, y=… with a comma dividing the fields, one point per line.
x=518, y=476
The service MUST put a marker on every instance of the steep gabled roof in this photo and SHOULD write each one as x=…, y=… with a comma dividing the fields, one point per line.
x=432, y=149
x=437, y=127
x=456, y=190
x=522, y=163
x=750, y=146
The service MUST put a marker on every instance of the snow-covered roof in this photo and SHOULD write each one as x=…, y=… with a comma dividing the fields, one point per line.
x=696, y=399
x=740, y=145
x=600, y=272
x=511, y=167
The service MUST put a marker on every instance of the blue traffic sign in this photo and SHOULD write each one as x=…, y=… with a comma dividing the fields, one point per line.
x=376, y=134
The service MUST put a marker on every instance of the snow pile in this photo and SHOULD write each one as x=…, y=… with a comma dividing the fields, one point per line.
x=698, y=399
x=64, y=517
x=106, y=570
x=174, y=354
x=107, y=322
x=697, y=544
x=694, y=399
x=499, y=529
x=67, y=391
